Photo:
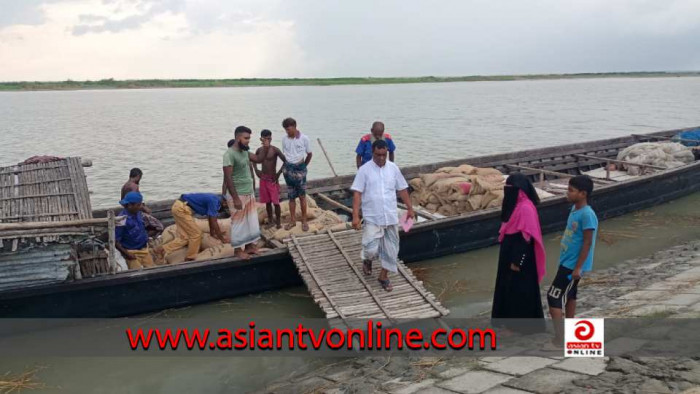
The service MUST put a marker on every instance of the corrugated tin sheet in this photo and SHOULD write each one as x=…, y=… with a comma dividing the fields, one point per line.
x=38, y=265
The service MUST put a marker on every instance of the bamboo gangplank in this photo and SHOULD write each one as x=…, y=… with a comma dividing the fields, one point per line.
x=315, y=278
x=359, y=275
x=330, y=265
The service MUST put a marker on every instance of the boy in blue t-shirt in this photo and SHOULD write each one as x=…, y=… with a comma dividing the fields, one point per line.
x=576, y=257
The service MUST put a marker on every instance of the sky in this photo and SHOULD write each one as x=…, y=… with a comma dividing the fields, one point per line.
x=50, y=40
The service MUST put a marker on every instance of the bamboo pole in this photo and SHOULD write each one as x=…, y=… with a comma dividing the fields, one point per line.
x=629, y=163
x=334, y=203
x=548, y=172
x=47, y=225
x=111, y=228
x=327, y=157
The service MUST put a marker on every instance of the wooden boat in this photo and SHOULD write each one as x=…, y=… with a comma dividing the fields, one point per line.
x=133, y=292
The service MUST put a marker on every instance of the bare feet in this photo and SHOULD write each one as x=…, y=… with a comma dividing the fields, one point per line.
x=304, y=227
x=241, y=254
x=251, y=249
x=160, y=253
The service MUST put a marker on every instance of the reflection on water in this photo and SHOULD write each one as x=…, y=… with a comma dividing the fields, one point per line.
x=177, y=136
x=464, y=283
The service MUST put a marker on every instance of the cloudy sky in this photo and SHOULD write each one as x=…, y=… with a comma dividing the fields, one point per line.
x=126, y=39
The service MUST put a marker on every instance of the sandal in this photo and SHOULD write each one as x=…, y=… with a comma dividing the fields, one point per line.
x=304, y=227
x=386, y=285
x=367, y=267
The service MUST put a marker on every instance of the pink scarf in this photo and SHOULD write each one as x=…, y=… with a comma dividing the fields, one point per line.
x=525, y=220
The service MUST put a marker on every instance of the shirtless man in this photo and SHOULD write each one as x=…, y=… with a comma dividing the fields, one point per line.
x=269, y=176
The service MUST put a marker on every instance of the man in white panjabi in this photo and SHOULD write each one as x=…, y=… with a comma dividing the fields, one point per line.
x=375, y=187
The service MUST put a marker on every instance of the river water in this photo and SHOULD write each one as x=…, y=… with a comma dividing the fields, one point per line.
x=178, y=136
x=464, y=283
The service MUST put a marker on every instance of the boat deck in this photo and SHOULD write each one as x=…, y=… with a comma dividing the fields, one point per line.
x=331, y=268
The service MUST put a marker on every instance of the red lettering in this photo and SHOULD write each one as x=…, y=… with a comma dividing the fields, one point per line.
x=240, y=336
x=433, y=338
x=399, y=337
x=265, y=339
x=361, y=341
x=316, y=342
x=140, y=338
x=225, y=341
x=337, y=345
x=414, y=339
x=290, y=339
x=451, y=336
x=482, y=338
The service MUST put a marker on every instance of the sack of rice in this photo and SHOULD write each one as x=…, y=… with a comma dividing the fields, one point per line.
x=445, y=186
x=177, y=257
x=209, y=242
x=224, y=225
x=446, y=170
x=433, y=199
x=416, y=184
x=432, y=207
x=217, y=252
x=169, y=234
x=475, y=201
x=447, y=210
x=487, y=171
x=490, y=196
x=482, y=185
x=466, y=169
x=430, y=179
x=282, y=233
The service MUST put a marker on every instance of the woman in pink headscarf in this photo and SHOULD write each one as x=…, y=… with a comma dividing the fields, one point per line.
x=522, y=260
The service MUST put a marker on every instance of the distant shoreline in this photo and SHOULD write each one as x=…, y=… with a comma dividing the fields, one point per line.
x=247, y=82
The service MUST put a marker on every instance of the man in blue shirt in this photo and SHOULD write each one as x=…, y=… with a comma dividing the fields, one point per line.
x=576, y=257
x=364, y=148
x=132, y=238
x=188, y=233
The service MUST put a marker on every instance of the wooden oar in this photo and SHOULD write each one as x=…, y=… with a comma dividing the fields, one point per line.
x=328, y=159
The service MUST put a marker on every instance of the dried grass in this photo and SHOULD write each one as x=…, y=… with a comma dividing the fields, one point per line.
x=16, y=383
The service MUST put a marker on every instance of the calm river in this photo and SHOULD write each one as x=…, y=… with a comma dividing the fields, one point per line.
x=178, y=136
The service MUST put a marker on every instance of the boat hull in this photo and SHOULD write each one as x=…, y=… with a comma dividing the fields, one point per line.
x=160, y=288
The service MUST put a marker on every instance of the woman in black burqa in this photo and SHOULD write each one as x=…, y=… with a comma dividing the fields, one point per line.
x=521, y=262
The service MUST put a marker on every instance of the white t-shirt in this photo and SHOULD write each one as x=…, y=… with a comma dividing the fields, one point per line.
x=296, y=149
x=378, y=186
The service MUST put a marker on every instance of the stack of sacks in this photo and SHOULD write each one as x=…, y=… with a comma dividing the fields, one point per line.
x=322, y=221
x=661, y=154
x=455, y=190
x=208, y=242
x=312, y=210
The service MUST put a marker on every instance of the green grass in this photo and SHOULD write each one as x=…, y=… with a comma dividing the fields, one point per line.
x=209, y=83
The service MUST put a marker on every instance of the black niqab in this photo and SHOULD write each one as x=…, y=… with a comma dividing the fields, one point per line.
x=514, y=184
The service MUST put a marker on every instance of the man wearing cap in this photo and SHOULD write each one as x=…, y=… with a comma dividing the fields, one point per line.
x=364, y=148
x=188, y=233
x=132, y=238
